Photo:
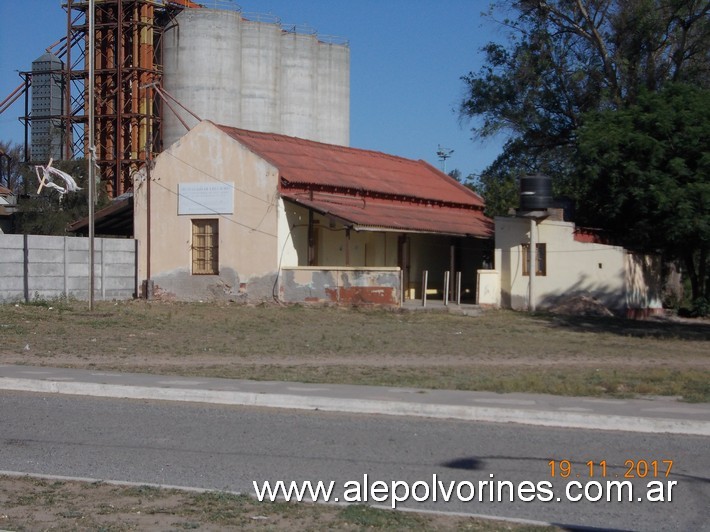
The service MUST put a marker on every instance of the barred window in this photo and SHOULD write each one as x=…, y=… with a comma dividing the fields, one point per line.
x=205, y=247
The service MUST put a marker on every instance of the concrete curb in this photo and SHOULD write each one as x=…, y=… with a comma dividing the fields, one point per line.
x=589, y=421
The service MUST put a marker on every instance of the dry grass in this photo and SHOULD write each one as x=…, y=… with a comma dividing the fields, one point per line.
x=36, y=504
x=498, y=351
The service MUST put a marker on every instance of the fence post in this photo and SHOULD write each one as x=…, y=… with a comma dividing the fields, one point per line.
x=425, y=278
x=135, y=269
x=102, y=242
x=446, y=288
x=66, y=267
x=458, y=288
x=26, y=268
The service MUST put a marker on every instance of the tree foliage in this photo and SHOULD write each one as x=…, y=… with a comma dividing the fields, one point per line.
x=644, y=172
x=49, y=213
x=11, y=176
x=566, y=58
x=609, y=98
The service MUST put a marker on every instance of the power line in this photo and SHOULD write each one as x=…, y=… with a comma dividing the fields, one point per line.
x=228, y=183
x=256, y=229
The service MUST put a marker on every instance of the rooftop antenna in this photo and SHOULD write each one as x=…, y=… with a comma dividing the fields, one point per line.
x=443, y=154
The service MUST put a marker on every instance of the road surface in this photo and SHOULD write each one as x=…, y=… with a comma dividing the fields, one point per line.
x=230, y=447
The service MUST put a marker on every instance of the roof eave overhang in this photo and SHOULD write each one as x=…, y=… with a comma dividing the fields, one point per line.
x=302, y=187
x=358, y=227
x=380, y=229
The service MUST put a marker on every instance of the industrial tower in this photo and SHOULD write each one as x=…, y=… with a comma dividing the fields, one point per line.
x=127, y=71
x=231, y=68
x=127, y=68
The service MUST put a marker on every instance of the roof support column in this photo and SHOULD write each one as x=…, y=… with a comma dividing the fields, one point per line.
x=311, y=249
x=347, y=247
x=452, y=268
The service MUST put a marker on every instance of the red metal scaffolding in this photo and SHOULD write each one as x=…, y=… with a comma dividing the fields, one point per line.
x=127, y=80
x=127, y=121
x=127, y=70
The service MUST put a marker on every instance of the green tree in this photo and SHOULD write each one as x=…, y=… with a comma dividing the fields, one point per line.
x=566, y=58
x=644, y=172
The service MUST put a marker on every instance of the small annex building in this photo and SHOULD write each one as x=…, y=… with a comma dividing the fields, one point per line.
x=573, y=266
x=227, y=213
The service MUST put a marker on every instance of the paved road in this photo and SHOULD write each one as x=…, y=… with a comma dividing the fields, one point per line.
x=228, y=447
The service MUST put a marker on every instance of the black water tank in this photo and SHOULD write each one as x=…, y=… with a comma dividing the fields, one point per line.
x=535, y=192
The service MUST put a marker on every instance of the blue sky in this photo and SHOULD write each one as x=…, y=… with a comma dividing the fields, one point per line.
x=407, y=58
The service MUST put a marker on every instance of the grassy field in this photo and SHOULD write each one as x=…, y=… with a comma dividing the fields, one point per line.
x=498, y=351
x=45, y=504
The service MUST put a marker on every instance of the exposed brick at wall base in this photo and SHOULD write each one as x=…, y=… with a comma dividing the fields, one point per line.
x=343, y=286
x=182, y=285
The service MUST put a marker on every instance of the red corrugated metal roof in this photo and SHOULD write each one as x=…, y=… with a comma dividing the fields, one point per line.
x=306, y=163
x=376, y=213
x=368, y=188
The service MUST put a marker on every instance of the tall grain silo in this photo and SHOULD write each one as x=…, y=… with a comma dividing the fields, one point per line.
x=333, y=92
x=238, y=71
x=202, y=69
x=261, y=49
x=299, y=63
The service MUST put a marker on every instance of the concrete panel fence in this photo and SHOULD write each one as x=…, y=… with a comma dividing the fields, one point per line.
x=47, y=267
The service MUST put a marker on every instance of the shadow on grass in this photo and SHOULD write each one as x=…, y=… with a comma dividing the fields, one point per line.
x=660, y=328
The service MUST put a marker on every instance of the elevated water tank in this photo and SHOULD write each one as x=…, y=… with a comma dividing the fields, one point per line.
x=535, y=192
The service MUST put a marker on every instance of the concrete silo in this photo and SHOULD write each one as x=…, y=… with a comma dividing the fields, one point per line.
x=333, y=92
x=202, y=69
x=299, y=63
x=261, y=49
x=253, y=74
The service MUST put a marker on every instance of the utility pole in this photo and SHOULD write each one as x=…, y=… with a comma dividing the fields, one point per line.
x=91, y=151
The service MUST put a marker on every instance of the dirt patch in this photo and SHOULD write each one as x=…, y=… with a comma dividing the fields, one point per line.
x=581, y=306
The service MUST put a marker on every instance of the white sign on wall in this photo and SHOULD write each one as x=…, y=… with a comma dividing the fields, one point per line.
x=206, y=198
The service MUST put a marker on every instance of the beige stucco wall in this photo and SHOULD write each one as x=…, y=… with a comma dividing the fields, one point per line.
x=249, y=246
x=573, y=268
